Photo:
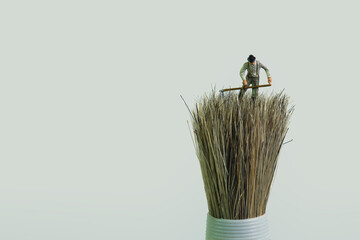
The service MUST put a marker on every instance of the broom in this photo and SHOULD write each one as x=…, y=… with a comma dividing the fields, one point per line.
x=237, y=143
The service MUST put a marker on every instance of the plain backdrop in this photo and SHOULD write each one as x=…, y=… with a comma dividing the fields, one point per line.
x=95, y=142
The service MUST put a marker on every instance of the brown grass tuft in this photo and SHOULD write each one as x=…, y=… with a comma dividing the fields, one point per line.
x=238, y=144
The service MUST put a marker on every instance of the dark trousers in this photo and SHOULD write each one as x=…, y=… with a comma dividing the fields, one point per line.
x=251, y=81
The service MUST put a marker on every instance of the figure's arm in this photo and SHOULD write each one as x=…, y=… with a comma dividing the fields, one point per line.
x=267, y=72
x=242, y=73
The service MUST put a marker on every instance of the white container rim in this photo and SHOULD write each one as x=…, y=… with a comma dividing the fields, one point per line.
x=237, y=229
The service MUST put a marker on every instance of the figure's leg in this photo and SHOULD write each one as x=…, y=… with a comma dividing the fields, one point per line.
x=255, y=91
x=242, y=91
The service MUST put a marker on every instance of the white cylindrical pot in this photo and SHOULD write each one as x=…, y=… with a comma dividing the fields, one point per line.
x=243, y=229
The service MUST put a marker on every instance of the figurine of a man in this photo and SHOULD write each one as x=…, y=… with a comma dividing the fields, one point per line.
x=253, y=73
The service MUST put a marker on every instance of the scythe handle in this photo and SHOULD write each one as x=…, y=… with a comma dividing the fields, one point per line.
x=257, y=86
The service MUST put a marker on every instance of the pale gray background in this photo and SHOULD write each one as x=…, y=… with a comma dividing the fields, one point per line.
x=94, y=135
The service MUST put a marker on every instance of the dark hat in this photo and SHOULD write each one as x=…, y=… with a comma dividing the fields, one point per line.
x=251, y=58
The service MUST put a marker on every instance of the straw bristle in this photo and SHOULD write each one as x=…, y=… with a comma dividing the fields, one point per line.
x=237, y=143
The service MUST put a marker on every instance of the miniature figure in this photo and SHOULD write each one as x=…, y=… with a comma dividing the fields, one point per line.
x=253, y=74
